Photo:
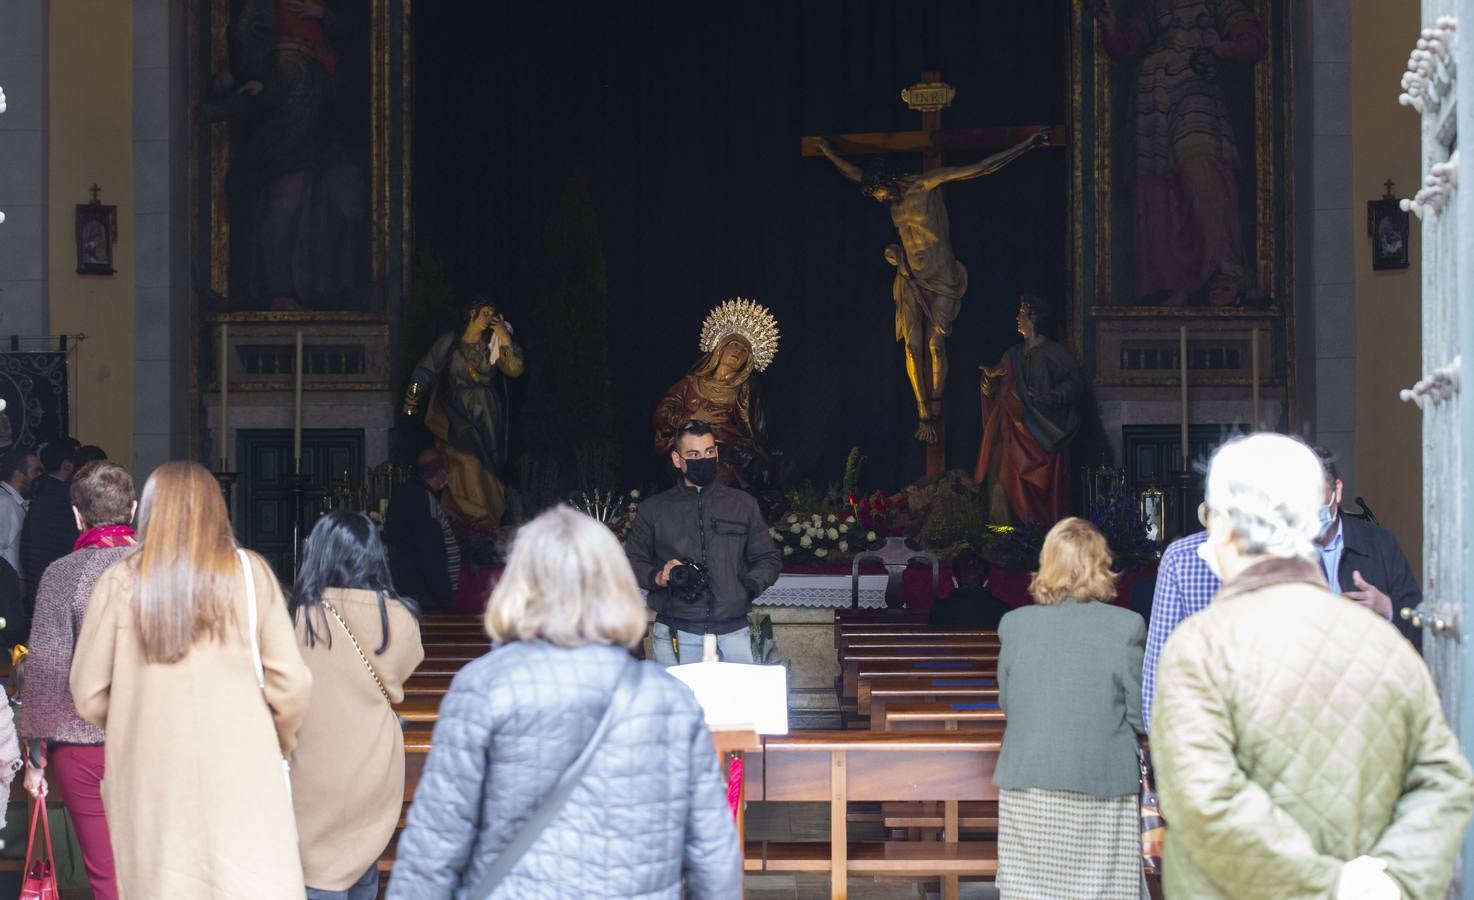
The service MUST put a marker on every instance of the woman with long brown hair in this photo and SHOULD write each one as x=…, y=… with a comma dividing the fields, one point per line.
x=187, y=660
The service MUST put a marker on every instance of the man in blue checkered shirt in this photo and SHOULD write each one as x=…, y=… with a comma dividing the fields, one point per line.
x=1184, y=586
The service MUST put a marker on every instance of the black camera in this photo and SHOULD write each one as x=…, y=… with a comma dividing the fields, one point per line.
x=689, y=582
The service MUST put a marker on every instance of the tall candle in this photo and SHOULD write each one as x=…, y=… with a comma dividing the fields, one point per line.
x=1254, y=376
x=297, y=410
x=223, y=376
x=1182, y=367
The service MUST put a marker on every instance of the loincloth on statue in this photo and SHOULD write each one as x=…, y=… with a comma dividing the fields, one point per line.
x=922, y=310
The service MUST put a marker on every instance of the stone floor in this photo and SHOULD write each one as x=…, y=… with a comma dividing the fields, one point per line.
x=810, y=822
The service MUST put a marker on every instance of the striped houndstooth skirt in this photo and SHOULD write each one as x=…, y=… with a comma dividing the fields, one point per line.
x=1069, y=846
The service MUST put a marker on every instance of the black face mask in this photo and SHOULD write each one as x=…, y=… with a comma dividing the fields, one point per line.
x=701, y=472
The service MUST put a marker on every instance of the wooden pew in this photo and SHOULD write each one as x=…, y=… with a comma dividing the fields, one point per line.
x=875, y=693
x=853, y=643
x=420, y=708
x=840, y=767
x=910, y=632
x=850, y=680
x=927, y=654
x=876, y=617
x=922, y=816
x=951, y=659
x=947, y=715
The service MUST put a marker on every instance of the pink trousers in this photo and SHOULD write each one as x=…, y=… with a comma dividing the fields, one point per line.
x=74, y=771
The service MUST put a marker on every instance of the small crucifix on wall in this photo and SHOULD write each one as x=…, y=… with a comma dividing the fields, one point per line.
x=97, y=231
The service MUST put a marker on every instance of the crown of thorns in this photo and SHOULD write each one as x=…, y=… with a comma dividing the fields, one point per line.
x=747, y=319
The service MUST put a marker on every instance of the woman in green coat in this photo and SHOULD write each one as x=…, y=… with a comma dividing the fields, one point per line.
x=1069, y=680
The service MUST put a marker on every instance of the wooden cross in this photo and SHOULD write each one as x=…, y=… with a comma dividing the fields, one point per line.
x=929, y=98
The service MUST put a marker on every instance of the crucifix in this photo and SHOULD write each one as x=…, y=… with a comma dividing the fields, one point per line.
x=929, y=281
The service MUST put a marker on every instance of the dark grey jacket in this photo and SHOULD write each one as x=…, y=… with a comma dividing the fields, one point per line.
x=1069, y=680
x=1374, y=552
x=651, y=808
x=718, y=526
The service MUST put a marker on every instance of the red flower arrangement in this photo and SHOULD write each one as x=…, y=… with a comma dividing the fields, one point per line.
x=876, y=512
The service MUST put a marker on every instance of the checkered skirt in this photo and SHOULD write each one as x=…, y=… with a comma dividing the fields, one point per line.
x=1063, y=845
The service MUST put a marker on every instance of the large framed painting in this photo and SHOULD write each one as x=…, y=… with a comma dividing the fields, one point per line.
x=1182, y=116
x=299, y=199
x=300, y=159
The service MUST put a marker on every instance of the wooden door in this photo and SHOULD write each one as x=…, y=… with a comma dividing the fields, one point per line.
x=263, y=514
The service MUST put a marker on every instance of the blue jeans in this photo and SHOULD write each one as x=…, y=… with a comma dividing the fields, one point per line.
x=733, y=647
x=366, y=888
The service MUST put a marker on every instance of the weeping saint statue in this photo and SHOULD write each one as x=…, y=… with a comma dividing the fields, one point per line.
x=463, y=376
x=738, y=339
x=929, y=281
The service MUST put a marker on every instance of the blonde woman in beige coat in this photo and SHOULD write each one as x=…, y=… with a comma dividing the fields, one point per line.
x=196, y=794
x=361, y=641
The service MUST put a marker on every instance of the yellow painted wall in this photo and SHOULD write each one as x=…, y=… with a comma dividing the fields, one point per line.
x=90, y=67
x=1388, y=303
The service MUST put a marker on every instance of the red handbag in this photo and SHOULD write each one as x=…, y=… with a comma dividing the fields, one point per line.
x=40, y=874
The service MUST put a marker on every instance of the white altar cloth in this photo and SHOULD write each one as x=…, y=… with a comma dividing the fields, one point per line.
x=823, y=592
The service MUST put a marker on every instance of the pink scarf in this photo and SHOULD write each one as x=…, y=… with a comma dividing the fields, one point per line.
x=106, y=536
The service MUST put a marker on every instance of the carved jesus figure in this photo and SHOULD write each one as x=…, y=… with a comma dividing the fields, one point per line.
x=929, y=281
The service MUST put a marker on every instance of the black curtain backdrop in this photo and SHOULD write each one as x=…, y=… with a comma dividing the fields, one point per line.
x=685, y=119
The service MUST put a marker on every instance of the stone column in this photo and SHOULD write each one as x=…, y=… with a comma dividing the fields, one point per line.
x=1326, y=226
x=23, y=169
x=160, y=222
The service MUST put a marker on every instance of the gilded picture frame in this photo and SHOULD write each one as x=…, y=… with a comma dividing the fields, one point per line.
x=1107, y=70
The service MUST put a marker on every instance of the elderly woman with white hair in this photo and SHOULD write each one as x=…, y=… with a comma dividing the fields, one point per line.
x=560, y=766
x=1300, y=747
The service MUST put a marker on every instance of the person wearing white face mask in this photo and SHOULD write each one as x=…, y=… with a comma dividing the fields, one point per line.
x=1299, y=743
x=1364, y=561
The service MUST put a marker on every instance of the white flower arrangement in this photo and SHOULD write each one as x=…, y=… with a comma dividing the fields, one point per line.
x=804, y=536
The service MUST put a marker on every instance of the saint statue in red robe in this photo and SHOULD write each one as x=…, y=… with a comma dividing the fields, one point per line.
x=1031, y=412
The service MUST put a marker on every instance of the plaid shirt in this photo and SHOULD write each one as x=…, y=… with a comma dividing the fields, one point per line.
x=1184, y=586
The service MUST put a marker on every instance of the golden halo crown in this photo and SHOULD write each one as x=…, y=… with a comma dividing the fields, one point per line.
x=747, y=319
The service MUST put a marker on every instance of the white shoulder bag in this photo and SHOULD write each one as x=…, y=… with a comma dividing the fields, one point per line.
x=256, y=651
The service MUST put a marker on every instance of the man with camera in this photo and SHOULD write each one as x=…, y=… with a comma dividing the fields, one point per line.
x=702, y=552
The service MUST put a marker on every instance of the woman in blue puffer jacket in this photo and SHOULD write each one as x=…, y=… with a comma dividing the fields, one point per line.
x=648, y=815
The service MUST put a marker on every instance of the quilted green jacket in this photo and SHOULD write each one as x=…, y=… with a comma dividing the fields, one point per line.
x=1295, y=730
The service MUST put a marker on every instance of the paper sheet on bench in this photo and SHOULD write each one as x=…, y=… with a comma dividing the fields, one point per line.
x=739, y=697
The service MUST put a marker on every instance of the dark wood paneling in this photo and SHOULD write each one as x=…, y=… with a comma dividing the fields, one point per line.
x=264, y=509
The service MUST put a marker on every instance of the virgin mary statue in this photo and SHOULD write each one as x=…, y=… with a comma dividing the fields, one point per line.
x=738, y=339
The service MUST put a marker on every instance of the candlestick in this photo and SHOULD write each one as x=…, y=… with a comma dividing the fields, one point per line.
x=1182, y=365
x=223, y=375
x=1254, y=356
x=297, y=409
